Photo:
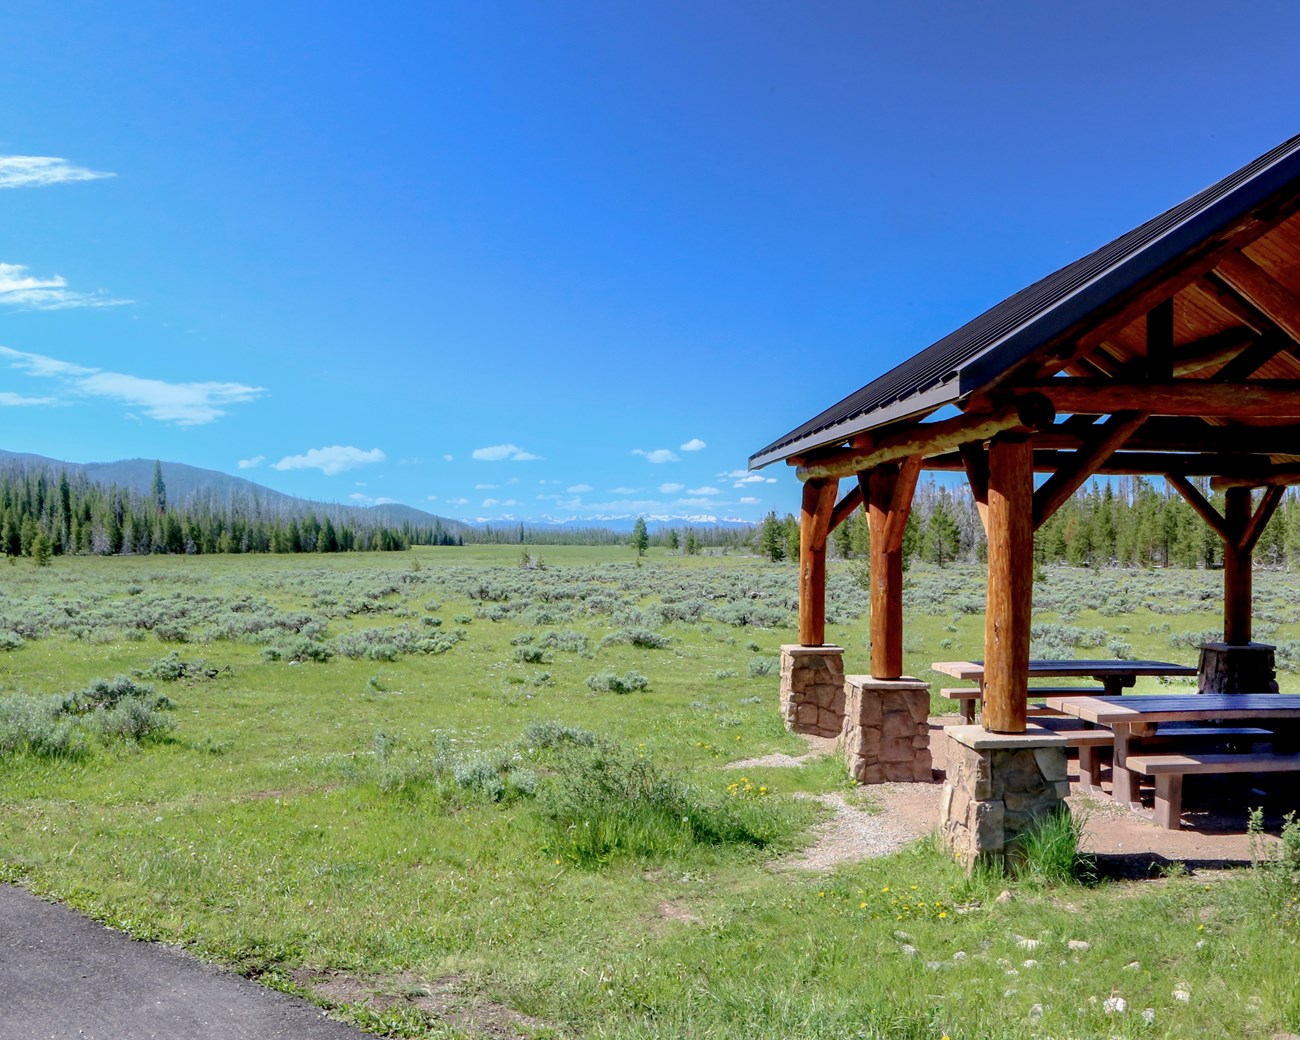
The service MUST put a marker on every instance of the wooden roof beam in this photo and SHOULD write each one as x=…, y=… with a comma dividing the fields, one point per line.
x=1272, y=398
x=1258, y=288
x=1232, y=470
x=1202, y=507
x=1062, y=485
x=1026, y=412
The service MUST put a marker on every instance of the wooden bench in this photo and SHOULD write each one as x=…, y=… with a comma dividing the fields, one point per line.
x=968, y=696
x=1168, y=770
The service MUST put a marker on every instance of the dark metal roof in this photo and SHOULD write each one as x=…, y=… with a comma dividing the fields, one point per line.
x=975, y=354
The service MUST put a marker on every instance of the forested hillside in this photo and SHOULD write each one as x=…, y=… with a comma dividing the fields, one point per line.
x=44, y=515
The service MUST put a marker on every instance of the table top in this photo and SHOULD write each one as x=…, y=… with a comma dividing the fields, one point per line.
x=1099, y=669
x=1191, y=707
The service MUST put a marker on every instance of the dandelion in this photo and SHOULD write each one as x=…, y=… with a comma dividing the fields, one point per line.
x=943, y=913
x=885, y=889
x=862, y=906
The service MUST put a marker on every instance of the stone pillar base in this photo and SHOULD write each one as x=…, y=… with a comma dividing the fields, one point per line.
x=812, y=689
x=1245, y=668
x=999, y=785
x=886, y=729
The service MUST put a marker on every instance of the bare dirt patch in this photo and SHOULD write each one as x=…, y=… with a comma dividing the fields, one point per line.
x=1126, y=841
x=445, y=1000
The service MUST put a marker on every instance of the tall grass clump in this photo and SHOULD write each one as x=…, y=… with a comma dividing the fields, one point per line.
x=603, y=801
x=1277, y=867
x=1050, y=852
x=40, y=726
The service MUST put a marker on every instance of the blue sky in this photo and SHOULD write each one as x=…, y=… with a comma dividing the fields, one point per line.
x=565, y=259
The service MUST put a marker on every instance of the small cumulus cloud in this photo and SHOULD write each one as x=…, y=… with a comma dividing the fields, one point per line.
x=252, y=463
x=485, y=487
x=331, y=461
x=579, y=489
x=694, y=444
x=671, y=489
x=40, y=171
x=366, y=500
x=489, y=503
x=449, y=458
x=706, y=490
x=185, y=404
x=659, y=455
x=458, y=502
x=9, y=400
x=26, y=292
x=500, y=452
x=431, y=498
x=623, y=491
x=749, y=500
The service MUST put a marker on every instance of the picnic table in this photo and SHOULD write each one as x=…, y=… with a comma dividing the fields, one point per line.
x=1114, y=675
x=1136, y=723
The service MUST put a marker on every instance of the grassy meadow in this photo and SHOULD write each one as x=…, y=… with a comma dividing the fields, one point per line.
x=480, y=791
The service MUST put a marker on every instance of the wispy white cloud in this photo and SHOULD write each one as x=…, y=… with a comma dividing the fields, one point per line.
x=11, y=400
x=252, y=463
x=485, y=487
x=431, y=498
x=40, y=171
x=331, y=461
x=579, y=489
x=185, y=404
x=500, y=452
x=27, y=292
x=489, y=503
x=706, y=490
x=624, y=491
x=749, y=500
x=366, y=500
x=449, y=458
x=671, y=489
x=694, y=444
x=657, y=456
x=458, y=502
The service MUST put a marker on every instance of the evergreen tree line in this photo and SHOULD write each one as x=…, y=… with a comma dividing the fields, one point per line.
x=44, y=515
x=691, y=539
x=1122, y=521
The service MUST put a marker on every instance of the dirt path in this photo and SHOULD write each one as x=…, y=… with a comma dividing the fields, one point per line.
x=1126, y=842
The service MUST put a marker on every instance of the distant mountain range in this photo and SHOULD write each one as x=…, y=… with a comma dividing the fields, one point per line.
x=192, y=484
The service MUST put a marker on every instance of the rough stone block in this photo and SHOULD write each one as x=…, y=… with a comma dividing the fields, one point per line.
x=1051, y=763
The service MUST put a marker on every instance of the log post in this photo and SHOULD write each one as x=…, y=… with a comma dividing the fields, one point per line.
x=814, y=527
x=887, y=493
x=1237, y=591
x=1010, y=583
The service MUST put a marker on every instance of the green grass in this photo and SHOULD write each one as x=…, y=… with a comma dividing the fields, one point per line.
x=483, y=815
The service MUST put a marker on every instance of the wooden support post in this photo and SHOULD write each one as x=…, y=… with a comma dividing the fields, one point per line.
x=1236, y=568
x=887, y=491
x=814, y=526
x=1010, y=583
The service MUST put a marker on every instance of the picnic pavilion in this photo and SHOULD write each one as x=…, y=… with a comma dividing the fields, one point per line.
x=1173, y=351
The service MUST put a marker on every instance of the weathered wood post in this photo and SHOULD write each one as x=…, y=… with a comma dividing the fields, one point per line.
x=812, y=673
x=1237, y=591
x=1010, y=582
x=814, y=527
x=887, y=493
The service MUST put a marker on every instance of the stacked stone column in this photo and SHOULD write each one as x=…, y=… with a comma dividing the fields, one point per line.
x=887, y=730
x=998, y=786
x=812, y=689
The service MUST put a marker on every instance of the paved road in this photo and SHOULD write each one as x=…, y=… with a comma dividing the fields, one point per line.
x=63, y=976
